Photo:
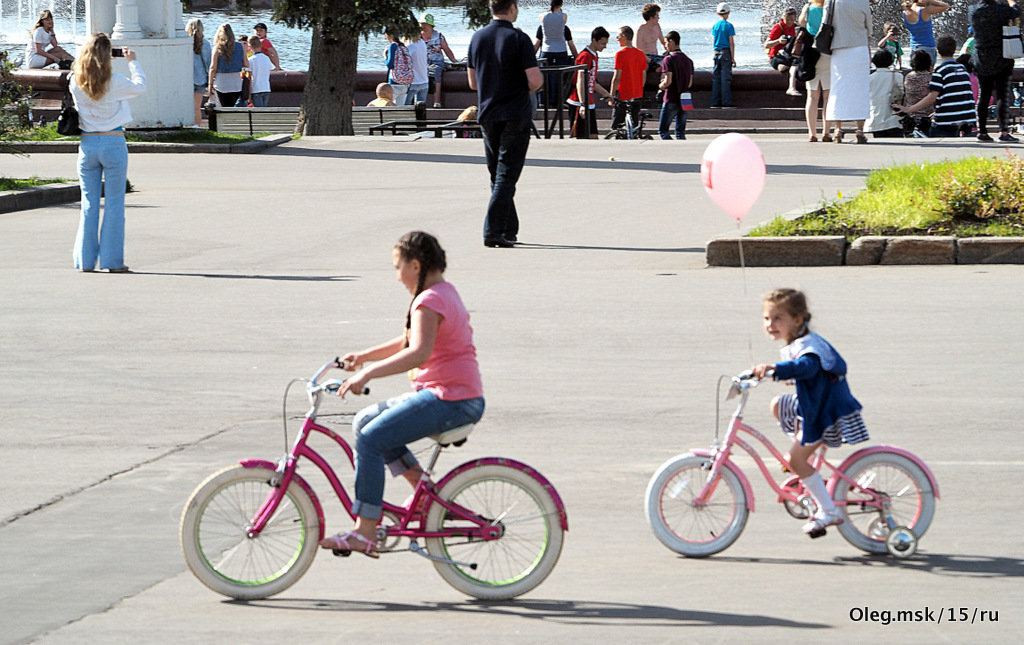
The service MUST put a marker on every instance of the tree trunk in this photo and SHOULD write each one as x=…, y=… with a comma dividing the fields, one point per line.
x=330, y=85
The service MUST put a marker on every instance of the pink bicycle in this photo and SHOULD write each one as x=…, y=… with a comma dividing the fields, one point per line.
x=493, y=527
x=698, y=503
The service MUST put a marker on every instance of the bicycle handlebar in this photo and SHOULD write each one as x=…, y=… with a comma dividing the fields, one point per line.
x=331, y=386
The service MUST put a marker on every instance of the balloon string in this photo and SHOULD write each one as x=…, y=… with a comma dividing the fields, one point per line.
x=743, y=272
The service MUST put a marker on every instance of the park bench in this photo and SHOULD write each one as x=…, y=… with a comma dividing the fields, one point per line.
x=282, y=120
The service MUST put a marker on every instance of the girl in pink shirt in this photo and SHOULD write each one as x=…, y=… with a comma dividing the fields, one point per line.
x=437, y=350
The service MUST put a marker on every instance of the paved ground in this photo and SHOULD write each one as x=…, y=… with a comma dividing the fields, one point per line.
x=600, y=340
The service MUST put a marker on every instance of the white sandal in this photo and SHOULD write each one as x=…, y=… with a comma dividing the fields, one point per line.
x=340, y=542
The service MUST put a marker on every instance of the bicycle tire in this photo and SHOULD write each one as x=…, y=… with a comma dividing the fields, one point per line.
x=694, y=531
x=522, y=557
x=224, y=558
x=912, y=500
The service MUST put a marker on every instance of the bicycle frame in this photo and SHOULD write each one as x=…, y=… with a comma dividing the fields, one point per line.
x=720, y=456
x=477, y=527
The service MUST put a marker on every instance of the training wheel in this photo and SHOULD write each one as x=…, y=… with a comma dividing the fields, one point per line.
x=901, y=542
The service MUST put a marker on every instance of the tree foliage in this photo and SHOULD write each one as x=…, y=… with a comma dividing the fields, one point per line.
x=337, y=26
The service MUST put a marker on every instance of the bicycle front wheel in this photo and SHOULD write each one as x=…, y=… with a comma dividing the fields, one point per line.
x=683, y=525
x=218, y=550
x=883, y=474
x=528, y=548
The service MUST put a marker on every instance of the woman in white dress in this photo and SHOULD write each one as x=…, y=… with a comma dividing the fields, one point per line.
x=43, y=49
x=850, y=69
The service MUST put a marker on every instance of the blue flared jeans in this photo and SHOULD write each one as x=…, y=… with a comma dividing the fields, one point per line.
x=102, y=161
x=382, y=431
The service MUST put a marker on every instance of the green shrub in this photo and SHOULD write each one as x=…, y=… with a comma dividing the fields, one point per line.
x=972, y=196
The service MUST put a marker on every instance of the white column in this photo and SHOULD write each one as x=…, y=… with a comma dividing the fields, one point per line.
x=127, y=25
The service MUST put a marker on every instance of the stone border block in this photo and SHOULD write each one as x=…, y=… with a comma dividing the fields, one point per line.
x=39, y=196
x=777, y=251
x=866, y=250
x=990, y=250
x=920, y=249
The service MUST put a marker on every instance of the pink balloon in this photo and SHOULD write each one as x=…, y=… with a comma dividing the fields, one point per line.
x=733, y=173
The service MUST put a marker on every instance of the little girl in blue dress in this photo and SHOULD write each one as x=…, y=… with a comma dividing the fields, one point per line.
x=823, y=409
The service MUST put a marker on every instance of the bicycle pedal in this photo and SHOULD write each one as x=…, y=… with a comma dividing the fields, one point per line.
x=816, y=534
x=341, y=553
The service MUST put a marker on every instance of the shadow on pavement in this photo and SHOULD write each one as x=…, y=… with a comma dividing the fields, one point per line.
x=528, y=245
x=575, y=164
x=607, y=614
x=959, y=565
x=241, y=276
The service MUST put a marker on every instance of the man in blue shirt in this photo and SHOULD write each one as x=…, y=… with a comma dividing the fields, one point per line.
x=723, y=35
x=502, y=68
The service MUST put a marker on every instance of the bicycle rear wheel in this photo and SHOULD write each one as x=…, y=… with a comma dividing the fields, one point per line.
x=694, y=530
x=220, y=553
x=517, y=561
x=911, y=499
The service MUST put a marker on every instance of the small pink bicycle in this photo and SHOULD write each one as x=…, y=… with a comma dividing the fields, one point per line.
x=698, y=503
x=493, y=527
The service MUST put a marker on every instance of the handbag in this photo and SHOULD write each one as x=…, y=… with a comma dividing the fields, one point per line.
x=686, y=101
x=1013, y=46
x=823, y=41
x=67, y=120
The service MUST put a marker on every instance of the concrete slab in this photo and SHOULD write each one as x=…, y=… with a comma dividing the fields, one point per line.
x=805, y=251
x=600, y=339
x=916, y=249
x=990, y=250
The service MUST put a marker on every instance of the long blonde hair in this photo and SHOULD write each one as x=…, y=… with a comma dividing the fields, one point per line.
x=194, y=28
x=92, y=68
x=224, y=41
x=43, y=15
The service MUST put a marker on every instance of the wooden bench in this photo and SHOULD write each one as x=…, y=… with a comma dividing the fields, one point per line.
x=239, y=120
x=365, y=119
x=436, y=126
x=282, y=120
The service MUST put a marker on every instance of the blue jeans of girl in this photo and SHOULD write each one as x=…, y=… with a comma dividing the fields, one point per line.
x=102, y=160
x=382, y=431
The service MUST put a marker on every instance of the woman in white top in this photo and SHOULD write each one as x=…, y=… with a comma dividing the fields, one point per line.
x=101, y=98
x=43, y=49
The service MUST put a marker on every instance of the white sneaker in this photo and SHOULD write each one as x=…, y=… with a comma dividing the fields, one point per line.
x=822, y=520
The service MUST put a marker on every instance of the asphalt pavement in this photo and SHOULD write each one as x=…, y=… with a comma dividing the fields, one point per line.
x=600, y=339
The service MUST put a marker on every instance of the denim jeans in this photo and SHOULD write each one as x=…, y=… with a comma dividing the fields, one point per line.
x=383, y=429
x=417, y=92
x=505, y=144
x=102, y=159
x=400, y=93
x=260, y=99
x=672, y=112
x=721, y=79
x=931, y=51
x=939, y=131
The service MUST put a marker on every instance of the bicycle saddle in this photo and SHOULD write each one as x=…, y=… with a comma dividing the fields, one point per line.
x=455, y=436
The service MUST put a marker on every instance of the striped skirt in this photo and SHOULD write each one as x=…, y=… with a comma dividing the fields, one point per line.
x=848, y=428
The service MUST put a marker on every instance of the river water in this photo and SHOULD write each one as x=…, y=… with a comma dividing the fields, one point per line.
x=691, y=18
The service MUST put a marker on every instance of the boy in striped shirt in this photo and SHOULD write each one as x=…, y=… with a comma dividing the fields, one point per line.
x=950, y=93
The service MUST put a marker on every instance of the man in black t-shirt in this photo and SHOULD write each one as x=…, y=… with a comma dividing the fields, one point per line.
x=503, y=70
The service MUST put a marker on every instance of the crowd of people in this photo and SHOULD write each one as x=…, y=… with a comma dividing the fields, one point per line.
x=946, y=93
x=845, y=82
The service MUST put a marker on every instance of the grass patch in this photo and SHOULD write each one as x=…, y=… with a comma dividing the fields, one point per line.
x=48, y=132
x=9, y=183
x=976, y=196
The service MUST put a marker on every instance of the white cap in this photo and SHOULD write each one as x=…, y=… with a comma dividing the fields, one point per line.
x=723, y=8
